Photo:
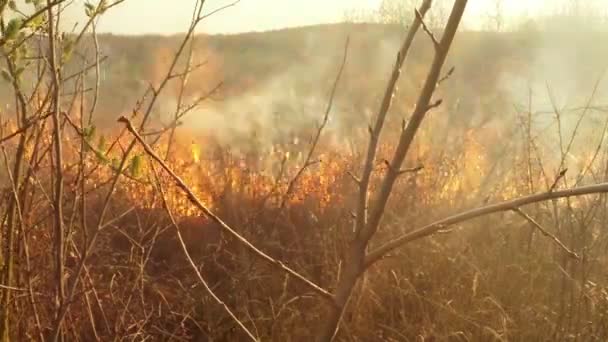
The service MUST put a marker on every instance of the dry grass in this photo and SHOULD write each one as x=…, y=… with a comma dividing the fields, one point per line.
x=492, y=280
x=498, y=277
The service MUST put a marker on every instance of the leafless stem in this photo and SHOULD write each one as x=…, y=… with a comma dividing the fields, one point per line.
x=389, y=93
x=365, y=227
x=426, y=29
x=29, y=289
x=24, y=128
x=432, y=228
x=546, y=233
x=308, y=161
x=447, y=76
x=561, y=175
x=197, y=202
x=58, y=156
x=193, y=265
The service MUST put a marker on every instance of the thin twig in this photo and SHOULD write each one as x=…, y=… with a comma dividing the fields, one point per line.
x=199, y=204
x=308, y=161
x=193, y=265
x=24, y=128
x=447, y=75
x=546, y=233
x=59, y=229
x=12, y=288
x=561, y=175
x=432, y=228
x=376, y=130
x=426, y=29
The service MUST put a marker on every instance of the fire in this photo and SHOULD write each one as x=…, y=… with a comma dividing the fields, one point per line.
x=216, y=174
x=196, y=152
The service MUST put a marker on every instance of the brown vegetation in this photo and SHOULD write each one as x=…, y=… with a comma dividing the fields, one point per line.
x=145, y=229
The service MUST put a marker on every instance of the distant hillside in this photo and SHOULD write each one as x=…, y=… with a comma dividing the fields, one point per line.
x=306, y=59
x=288, y=73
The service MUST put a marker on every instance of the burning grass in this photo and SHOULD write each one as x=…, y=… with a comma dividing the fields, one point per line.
x=448, y=286
x=103, y=258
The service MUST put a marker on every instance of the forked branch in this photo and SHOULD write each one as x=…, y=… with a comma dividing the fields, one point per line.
x=426, y=29
x=365, y=228
x=423, y=105
x=389, y=93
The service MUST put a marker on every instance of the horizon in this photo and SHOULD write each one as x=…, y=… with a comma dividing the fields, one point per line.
x=163, y=18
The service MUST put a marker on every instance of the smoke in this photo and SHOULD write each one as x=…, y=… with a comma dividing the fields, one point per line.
x=285, y=107
x=539, y=68
x=563, y=86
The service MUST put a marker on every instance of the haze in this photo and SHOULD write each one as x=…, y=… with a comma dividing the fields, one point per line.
x=167, y=17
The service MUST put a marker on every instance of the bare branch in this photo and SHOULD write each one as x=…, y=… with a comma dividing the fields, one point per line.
x=411, y=170
x=432, y=228
x=197, y=202
x=12, y=288
x=193, y=265
x=217, y=10
x=426, y=29
x=381, y=118
x=59, y=230
x=24, y=128
x=308, y=161
x=354, y=178
x=364, y=228
x=434, y=105
x=561, y=175
x=546, y=233
x=447, y=75
x=403, y=171
x=422, y=107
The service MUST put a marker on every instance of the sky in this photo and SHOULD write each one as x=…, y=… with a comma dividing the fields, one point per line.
x=172, y=16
